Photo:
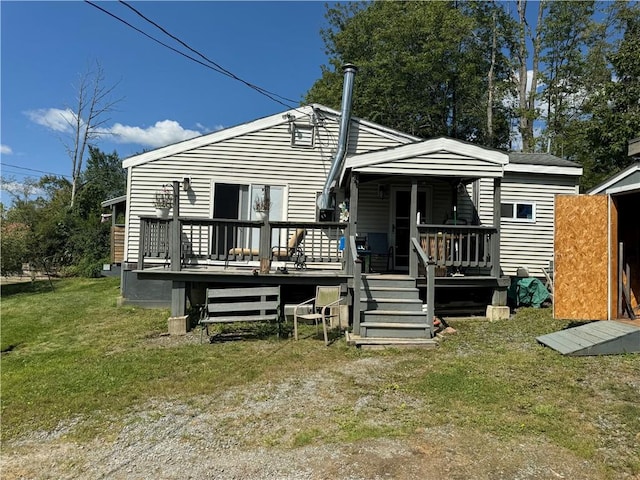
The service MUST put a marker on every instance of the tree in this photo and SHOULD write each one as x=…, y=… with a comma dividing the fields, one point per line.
x=422, y=67
x=569, y=36
x=93, y=103
x=41, y=229
x=611, y=113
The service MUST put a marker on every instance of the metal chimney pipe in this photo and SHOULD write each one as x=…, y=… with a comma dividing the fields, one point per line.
x=343, y=136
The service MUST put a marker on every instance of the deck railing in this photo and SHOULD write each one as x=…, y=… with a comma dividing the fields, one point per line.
x=456, y=247
x=227, y=240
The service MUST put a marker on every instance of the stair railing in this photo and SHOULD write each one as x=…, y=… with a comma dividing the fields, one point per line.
x=430, y=275
x=356, y=268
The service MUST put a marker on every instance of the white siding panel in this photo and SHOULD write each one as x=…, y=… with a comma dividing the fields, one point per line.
x=263, y=157
x=373, y=212
x=530, y=244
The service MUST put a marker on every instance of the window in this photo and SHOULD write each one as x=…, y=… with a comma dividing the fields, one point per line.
x=302, y=135
x=521, y=211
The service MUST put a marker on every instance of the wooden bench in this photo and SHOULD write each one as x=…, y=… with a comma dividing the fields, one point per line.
x=241, y=304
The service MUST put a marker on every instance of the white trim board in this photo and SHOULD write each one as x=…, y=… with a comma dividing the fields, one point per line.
x=543, y=169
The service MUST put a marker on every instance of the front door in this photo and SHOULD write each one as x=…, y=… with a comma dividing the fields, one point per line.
x=401, y=223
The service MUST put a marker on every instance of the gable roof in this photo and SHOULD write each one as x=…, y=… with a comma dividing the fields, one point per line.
x=542, y=163
x=628, y=180
x=305, y=113
x=437, y=156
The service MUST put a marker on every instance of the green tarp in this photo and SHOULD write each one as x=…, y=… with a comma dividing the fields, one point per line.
x=527, y=292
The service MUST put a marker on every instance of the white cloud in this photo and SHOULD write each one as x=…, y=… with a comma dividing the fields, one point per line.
x=53, y=118
x=162, y=133
x=5, y=149
x=215, y=128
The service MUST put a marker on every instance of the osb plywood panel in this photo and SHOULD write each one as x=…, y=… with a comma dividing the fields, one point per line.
x=581, y=257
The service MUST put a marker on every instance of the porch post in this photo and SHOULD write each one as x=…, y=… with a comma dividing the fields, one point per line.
x=495, y=243
x=265, y=236
x=353, y=219
x=178, y=299
x=175, y=229
x=178, y=320
x=413, y=227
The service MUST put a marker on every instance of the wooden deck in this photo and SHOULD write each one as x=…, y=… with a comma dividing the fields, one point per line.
x=247, y=275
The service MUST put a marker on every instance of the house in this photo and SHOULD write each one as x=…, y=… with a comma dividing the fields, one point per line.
x=598, y=250
x=347, y=193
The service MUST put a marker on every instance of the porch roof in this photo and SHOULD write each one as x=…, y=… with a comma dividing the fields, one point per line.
x=443, y=157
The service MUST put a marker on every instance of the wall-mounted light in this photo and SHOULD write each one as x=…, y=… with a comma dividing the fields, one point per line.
x=186, y=183
x=382, y=191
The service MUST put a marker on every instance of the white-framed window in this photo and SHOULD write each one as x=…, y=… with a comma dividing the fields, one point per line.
x=302, y=135
x=518, y=211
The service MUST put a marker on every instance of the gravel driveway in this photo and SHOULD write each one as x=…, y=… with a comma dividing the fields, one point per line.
x=248, y=433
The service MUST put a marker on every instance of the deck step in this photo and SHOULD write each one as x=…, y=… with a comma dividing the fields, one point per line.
x=390, y=292
x=395, y=330
x=395, y=316
x=390, y=342
x=404, y=304
x=400, y=281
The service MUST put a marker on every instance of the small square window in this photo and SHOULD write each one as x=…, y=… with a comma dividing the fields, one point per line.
x=524, y=211
x=302, y=135
x=506, y=210
x=518, y=211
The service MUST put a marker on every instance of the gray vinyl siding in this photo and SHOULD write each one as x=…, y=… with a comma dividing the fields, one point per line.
x=530, y=244
x=260, y=157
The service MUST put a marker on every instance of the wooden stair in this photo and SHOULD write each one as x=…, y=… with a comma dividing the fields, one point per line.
x=391, y=313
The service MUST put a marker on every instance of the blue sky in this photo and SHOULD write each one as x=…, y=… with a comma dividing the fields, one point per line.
x=46, y=46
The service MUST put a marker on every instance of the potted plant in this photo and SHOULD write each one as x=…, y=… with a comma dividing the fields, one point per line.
x=163, y=201
x=262, y=205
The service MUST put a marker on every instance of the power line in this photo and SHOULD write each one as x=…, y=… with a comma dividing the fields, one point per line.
x=33, y=170
x=216, y=68
x=221, y=68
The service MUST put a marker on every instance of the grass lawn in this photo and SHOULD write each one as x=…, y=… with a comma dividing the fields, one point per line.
x=71, y=356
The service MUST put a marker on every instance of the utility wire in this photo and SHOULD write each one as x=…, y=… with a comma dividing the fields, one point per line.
x=216, y=68
x=33, y=170
x=220, y=67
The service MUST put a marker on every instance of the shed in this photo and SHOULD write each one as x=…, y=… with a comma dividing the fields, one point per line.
x=597, y=251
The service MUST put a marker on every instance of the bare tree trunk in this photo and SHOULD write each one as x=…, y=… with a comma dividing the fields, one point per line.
x=491, y=82
x=527, y=99
x=92, y=106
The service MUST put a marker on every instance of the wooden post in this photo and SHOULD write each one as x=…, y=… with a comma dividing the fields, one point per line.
x=413, y=227
x=265, y=236
x=620, y=311
x=175, y=230
x=143, y=233
x=495, y=242
x=357, y=281
x=353, y=221
x=431, y=292
x=353, y=204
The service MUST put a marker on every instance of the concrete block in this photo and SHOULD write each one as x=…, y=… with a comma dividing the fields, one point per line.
x=495, y=312
x=343, y=315
x=178, y=325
